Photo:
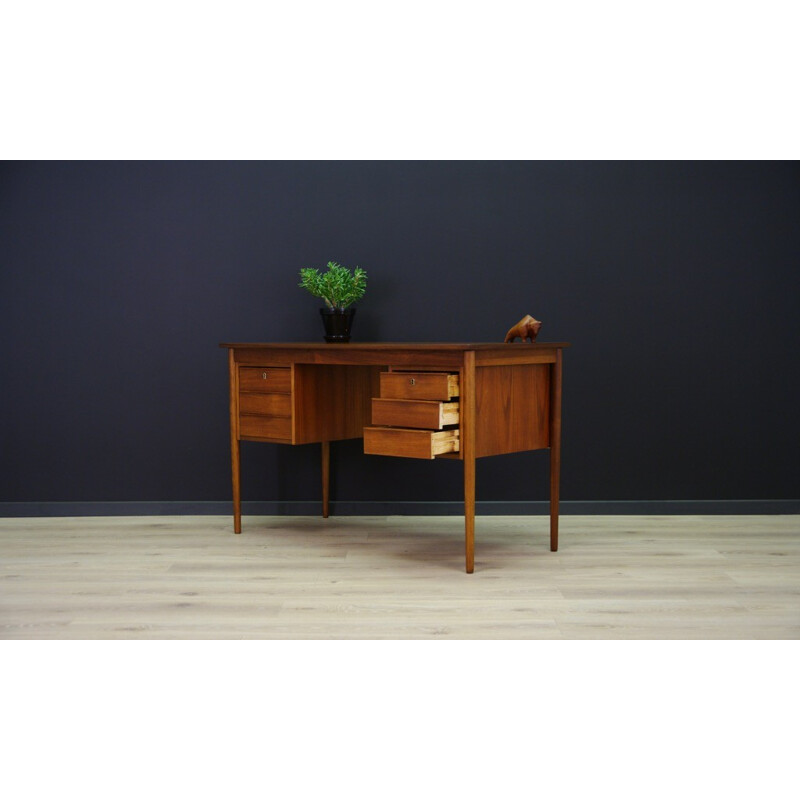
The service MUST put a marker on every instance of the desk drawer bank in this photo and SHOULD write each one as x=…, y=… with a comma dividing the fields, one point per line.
x=457, y=401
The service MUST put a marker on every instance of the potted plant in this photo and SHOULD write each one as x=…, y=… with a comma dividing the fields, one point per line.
x=339, y=288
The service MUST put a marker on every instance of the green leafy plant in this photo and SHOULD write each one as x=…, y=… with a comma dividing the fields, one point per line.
x=338, y=287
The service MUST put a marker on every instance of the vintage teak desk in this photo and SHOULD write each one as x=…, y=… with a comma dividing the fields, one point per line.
x=461, y=401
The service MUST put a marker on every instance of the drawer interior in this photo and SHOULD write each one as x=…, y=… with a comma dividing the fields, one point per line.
x=410, y=442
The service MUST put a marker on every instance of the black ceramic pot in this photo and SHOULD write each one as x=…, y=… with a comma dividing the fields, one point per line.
x=337, y=323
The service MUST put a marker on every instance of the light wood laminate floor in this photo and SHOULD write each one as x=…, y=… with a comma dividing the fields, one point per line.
x=614, y=577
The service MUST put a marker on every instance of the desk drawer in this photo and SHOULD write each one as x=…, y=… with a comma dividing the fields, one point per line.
x=265, y=379
x=430, y=414
x=419, y=385
x=265, y=427
x=271, y=405
x=409, y=443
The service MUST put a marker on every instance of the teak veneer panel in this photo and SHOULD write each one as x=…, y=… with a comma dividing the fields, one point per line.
x=343, y=355
x=513, y=406
x=384, y=347
x=409, y=443
x=265, y=379
x=332, y=402
x=419, y=385
x=265, y=427
x=431, y=414
x=271, y=405
x=446, y=355
x=486, y=359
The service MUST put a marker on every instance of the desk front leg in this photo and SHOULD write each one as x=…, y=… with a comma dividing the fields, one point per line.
x=468, y=413
x=237, y=491
x=555, y=448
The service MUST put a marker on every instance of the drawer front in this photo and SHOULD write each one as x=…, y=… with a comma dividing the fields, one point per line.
x=271, y=405
x=409, y=443
x=431, y=414
x=419, y=385
x=265, y=427
x=265, y=379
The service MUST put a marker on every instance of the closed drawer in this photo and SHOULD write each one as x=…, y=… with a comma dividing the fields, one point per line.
x=409, y=443
x=265, y=427
x=432, y=414
x=265, y=379
x=419, y=385
x=271, y=405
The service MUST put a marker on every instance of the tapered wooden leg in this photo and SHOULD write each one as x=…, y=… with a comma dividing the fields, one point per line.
x=235, y=474
x=469, y=513
x=326, y=477
x=467, y=436
x=555, y=447
x=237, y=490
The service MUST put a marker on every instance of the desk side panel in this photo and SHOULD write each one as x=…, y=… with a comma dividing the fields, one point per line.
x=513, y=408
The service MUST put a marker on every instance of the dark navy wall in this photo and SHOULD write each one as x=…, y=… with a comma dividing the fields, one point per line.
x=675, y=282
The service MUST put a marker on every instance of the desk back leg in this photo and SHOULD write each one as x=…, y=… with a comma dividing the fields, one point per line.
x=235, y=475
x=555, y=447
x=326, y=477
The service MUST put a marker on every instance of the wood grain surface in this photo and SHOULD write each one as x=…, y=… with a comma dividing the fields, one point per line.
x=332, y=403
x=513, y=405
x=614, y=577
x=409, y=443
x=419, y=385
x=430, y=414
x=264, y=379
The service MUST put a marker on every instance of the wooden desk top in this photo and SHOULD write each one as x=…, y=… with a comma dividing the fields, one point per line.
x=422, y=346
x=448, y=355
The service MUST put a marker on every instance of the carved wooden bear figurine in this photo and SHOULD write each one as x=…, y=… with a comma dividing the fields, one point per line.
x=527, y=328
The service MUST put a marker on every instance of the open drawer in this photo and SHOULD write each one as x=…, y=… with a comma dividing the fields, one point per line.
x=430, y=414
x=410, y=443
x=419, y=385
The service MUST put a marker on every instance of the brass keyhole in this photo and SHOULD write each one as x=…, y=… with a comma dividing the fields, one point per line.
x=264, y=375
x=412, y=381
